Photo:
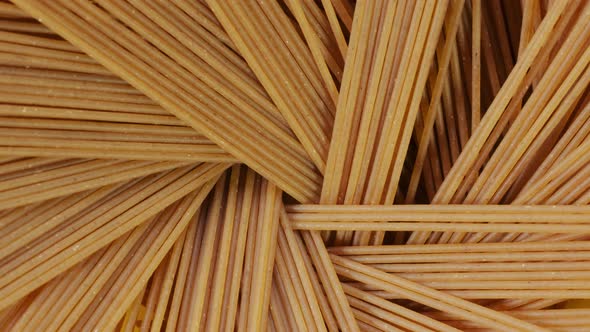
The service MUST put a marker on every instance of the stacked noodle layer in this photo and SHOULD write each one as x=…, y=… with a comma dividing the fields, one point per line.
x=294, y=165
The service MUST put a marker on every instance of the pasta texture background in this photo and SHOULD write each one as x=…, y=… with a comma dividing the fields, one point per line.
x=294, y=165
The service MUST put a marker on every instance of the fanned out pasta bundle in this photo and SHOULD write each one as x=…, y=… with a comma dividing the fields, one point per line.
x=294, y=165
x=57, y=101
x=60, y=114
x=212, y=88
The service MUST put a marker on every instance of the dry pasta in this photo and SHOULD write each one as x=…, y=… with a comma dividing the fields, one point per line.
x=294, y=165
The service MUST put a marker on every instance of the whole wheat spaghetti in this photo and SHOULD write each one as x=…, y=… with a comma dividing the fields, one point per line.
x=294, y=165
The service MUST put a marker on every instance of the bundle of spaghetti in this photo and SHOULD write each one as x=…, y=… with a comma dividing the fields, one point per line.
x=499, y=25
x=20, y=138
x=539, y=273
x=299, y=293
x=212, y=277
x=192, y=75
x=60, y=209
x=553, y=319
x=441, y=81
x=47, y=52
x=70, y=283
x=439, y=143
x=542, y=113
x=448, y=129
x=520, y=290
x=554, y=182
x=321, y=35
x=532, y=126
x=89, y=86
x=103, y=116
x=545, y=175
x=293, y=296
x=88, y=282
x=327, y=276
x=109, y=304
x=58, y=177
x=482, y=267
x=107, y=214
x=241, y=36
x=338, y=308
x=82, y=97
x=376, y=307
x=563, y=182
x=29, y=91
x=47, y=58
x=373, y=127
x=567, y=219
x=444, y=302
x=532, y=76
x=476, y=83
x=297, y=78
x=280, y=317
